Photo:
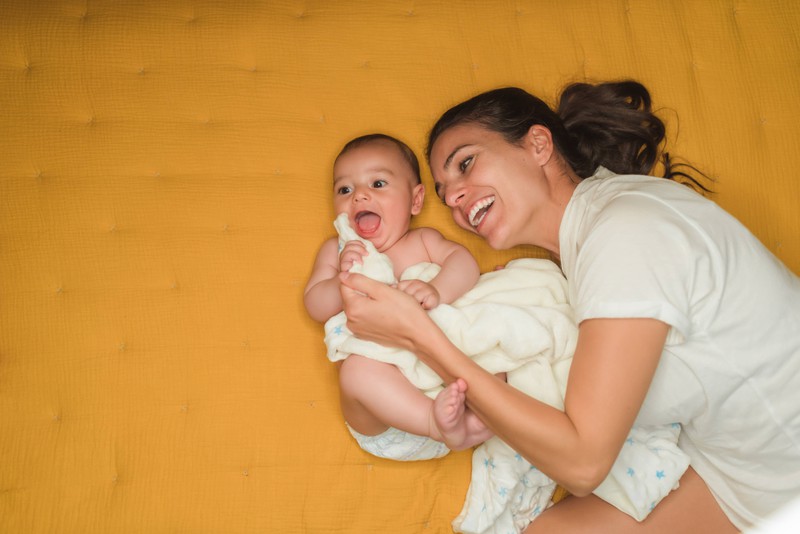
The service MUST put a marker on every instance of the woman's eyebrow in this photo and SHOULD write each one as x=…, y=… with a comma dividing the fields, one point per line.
x=449, y=159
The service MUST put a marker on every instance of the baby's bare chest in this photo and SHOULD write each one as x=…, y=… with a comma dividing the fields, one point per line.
x=407, y=252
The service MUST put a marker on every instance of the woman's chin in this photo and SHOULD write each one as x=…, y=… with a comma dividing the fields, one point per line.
x=502, y=238
x=491, y=237
x=499, y=246
x=497, y=241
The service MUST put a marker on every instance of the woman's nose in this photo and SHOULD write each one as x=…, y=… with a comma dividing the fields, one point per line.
x=454, y=197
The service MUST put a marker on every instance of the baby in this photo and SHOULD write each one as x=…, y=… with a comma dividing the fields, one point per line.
x=376, y=183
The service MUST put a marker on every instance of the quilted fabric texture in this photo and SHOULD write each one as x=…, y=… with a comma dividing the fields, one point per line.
x=165, y=181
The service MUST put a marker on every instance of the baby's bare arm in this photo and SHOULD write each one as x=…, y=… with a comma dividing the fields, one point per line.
x=460, y=271
x=321, y=296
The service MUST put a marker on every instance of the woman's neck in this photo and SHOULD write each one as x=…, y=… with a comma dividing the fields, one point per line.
x=562, y=182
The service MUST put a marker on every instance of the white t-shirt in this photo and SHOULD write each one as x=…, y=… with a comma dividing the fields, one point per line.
x=637, y=246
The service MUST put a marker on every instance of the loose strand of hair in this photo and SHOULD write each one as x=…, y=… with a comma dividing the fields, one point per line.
x=691, y=176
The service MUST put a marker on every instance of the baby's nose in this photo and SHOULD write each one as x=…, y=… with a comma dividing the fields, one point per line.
x=361, y=194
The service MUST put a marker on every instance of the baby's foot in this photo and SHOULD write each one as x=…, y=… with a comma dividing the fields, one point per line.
x=458, y=427
x=448, y=415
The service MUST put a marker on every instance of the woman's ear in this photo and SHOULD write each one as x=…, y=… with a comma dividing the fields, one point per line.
x=417, y=197
x=540, y=141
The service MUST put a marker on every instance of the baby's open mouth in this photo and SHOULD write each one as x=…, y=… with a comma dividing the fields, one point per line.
x=479, y=210
x=367, y=223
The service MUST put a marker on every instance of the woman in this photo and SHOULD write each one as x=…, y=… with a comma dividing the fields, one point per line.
x=683, y=315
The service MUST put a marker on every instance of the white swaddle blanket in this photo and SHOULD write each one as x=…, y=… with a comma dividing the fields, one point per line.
x=517, y=321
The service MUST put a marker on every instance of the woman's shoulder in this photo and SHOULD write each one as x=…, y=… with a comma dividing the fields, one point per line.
x=629, y=213
x=605, y=184
x=609, y=196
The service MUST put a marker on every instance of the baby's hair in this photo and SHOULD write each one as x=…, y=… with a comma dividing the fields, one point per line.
x=407, y=153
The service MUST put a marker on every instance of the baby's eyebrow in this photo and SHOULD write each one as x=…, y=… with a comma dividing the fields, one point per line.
x=385, y=170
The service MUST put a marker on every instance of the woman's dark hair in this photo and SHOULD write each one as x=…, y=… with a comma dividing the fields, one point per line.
x=404, y=149
x=609, y=124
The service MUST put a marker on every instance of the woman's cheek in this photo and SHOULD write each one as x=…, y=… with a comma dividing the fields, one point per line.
x=461, y=221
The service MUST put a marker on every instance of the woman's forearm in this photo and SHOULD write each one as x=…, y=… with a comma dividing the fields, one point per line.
x=611, y=370
x=543, y=435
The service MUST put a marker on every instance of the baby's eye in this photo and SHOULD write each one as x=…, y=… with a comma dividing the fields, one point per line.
x=377, y=184
x=462, y=166
x=344, y=190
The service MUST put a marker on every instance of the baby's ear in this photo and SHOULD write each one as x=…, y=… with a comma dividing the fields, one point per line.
x=417, y=198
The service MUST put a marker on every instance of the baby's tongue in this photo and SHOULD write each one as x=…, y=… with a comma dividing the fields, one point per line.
x=367, y=223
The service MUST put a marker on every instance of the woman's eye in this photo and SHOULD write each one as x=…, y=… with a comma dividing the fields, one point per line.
x=343, y=190
x=465, y=163
x=377, y=184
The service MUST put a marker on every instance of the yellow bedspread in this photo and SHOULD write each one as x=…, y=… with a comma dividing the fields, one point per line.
x=165, y=181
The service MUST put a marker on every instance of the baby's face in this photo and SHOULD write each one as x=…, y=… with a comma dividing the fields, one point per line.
x=376, y=187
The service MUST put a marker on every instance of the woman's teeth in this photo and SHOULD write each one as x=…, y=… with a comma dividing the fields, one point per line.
x=478, y=211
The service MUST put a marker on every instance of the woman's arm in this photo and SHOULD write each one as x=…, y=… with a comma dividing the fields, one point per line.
x=612, y=368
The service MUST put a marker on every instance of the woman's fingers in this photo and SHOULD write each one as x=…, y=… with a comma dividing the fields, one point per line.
x=377, y=312
x=362, y=298
x=354, y=284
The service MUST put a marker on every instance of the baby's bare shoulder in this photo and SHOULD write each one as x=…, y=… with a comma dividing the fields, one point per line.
x=426, y=233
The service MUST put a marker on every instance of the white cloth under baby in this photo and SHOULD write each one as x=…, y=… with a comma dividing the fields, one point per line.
x=517, y=321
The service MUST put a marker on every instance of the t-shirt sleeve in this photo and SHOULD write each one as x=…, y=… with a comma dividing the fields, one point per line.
x=640, y=259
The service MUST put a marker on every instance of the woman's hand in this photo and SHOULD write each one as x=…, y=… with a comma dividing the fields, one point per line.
x=380, y=313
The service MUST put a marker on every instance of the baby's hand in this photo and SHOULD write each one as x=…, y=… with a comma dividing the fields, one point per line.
x=423, y=292
x=353, y=252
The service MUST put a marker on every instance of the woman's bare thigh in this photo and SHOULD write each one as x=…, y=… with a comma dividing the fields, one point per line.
x=690, y=508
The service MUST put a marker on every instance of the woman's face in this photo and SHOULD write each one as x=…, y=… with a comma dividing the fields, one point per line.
x=494, y=188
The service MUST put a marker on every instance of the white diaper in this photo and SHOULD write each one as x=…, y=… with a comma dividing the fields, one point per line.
x=398, y=445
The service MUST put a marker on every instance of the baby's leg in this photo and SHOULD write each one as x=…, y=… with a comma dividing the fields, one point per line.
x=376, y=395
x=459, y=426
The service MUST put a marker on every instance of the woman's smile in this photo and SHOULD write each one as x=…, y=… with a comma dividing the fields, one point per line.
x=479, y=210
